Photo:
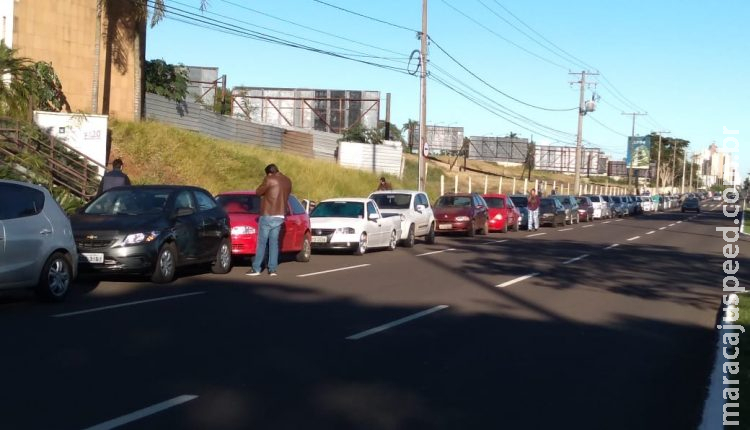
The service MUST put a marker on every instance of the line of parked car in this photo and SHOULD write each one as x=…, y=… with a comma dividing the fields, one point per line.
x=155, y=229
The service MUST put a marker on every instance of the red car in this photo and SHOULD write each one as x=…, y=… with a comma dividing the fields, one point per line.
x=503, y=213
x=243, y=208
x=464, y=212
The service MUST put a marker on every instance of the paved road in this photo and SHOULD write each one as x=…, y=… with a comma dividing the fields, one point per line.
x=608, y=325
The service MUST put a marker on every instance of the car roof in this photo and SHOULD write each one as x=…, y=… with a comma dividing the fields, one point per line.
x=347, y=199
x=25, y=184
x=397, y=191
x=494, y=195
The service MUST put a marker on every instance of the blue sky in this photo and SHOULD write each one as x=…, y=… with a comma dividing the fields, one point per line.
x=684, y=62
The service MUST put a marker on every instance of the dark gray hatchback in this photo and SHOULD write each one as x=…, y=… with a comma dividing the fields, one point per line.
x=152, y=229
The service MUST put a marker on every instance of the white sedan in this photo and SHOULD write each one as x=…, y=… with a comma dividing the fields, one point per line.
x=353, y=223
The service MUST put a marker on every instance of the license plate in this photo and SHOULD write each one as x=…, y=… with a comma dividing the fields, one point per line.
x=445, y=226
x=320, y=239
x=93, y=257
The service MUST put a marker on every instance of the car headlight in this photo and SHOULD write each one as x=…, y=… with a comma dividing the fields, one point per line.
x=242, y=229
x=345, y=230
x=136, y=238
x=499, y=217
x=462, y=218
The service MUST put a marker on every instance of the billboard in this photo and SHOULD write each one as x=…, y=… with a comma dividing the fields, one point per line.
x=639, y=151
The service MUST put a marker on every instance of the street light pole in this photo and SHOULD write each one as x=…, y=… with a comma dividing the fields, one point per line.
x=423, y=102
x=658, y=163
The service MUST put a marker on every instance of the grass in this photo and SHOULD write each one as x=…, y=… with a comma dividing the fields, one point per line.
x=744, y=345
x=746, y=219
x=156, y=153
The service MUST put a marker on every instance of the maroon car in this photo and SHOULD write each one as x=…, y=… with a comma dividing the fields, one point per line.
x=462, y=212
x=503, y=213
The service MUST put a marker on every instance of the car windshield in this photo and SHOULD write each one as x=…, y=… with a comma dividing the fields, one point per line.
x=392, y=201
x=240, y=203
x=129, y=201
x=594, y=198
x=453, y=201
x=495, y=202
x=520, y=201
x=616, y=199
x=582, y=201
x=339, y=210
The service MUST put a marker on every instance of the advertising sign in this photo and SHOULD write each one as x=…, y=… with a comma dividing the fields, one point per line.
x=639, y=151
x=86, y=134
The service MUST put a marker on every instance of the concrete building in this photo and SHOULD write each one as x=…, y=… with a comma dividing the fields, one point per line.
x=99, y=58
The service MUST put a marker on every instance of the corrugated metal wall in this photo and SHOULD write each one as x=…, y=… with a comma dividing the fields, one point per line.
x=385, y=158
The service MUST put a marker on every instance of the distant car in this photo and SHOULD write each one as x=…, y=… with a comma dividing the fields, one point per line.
x=37, y=249
x=716, y=198
x=570, y=203
x=354, y=224
x=646, y=205
x=153, y=230
x=619, y=206
x=521, y=202
x=243, y=208
x=585, y=209
x=602, y=210
x=502, y=212
x=418, y=218
x=464, y=212
x=552, y=212
x=691, y=204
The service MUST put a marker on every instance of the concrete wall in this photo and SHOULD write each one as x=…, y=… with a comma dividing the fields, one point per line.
x=385, y=158
x=63, y=33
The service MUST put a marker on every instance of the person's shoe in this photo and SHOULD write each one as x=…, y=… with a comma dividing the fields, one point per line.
x=252, y=272
x=273, y=273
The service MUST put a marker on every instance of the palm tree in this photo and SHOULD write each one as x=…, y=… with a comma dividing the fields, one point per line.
x=410, y=126
x=14, y=94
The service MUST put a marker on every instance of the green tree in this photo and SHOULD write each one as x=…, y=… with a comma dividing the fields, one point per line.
x=166, y=80
x=410, y=127
x=362, y=134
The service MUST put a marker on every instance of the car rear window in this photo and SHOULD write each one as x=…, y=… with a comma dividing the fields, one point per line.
x=19, y=201
x=520, y=201
x=239, y=203
x=392, y=201
x=495, y=202
x=595, y=198
x=453, y=201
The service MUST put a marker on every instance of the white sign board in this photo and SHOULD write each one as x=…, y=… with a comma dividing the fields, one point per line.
x=86, y=134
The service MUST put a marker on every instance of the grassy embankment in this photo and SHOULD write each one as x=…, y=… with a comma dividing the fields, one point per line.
x=744, y=358
x=156, y=153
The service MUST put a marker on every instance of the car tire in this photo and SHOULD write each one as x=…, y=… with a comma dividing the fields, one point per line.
x=393, y=241
x=222, y=264
x=166, y=264
x=505, y=226
x=471, y=231
x=55, y=278
x=409, y=241
x=486, y=228
x=430, y=238
x=362, y=246
x=303, y=256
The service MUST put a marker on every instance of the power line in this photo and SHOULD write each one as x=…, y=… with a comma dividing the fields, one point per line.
x=367, y=17
x=607, y=127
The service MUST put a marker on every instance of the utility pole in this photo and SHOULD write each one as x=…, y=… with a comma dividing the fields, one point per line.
x=630, y=148
x=423, y=101
x=581, y=112
x=674, y=162
x=692, y=164
x=684, y=162
x=658, y=163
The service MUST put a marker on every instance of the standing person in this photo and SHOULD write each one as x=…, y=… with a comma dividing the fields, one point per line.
x=533, y=208
x=114, y=178
x=383, y=185
x=274, y=193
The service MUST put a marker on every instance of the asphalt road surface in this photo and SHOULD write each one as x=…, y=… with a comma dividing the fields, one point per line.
x=603, y=325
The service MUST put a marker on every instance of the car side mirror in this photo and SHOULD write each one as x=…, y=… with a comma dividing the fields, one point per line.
x=184, y=212
x=420, y=208
x=373, y=217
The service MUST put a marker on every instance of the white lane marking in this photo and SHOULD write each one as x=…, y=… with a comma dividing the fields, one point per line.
x=535, y=234
x=122, y=305
x=651, y=232
x=573, y=260
x=662, y=228
x=142, y=413
x=392, y=324
x=671, y=225
x=618, y=220
x=679, y=222
x=606, y=222
x=435, y=252
x=517, y=280
x=634, y=238
x=565, y=229
x=332, y=270
x=614, y=245
x=492, y=241
x=588, y=226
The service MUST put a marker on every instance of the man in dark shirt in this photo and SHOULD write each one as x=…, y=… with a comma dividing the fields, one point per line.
x=113, y=178
x=274, y=193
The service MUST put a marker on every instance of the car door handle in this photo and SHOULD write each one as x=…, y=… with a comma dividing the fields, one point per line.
x=45, y=232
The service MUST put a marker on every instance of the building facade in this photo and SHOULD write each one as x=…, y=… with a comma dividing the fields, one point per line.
x=98, y=55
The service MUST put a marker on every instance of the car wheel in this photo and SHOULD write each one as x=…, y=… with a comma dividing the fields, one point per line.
x=471, y=230
x=430, y=238
x=683, y=211
x=409, y=241
x=362, y=247
x=486, y=228
x=505, y=227
x=394, y=240
x=303, y=256
x=55, y=279
x=166, y=264
x=223, y=262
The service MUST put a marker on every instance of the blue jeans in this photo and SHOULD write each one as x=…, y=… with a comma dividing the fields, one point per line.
x=268, y=233
x=533, y=219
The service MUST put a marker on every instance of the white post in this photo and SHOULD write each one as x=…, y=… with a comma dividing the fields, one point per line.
x=455, y=184
x=442, y=184
x=469, y=183
x=536, y=185
x=514, y=185
x=485, y=184
x=554, y=185
x=525, y=185
x=500, y=186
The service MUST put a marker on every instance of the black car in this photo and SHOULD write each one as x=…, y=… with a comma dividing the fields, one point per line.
x=152, y=229
x=691, y=204
x=551, y=211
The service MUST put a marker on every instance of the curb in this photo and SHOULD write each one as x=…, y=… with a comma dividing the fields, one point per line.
x=712, y=408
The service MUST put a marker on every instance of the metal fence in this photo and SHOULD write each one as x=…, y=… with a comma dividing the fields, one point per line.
x=503, y=149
